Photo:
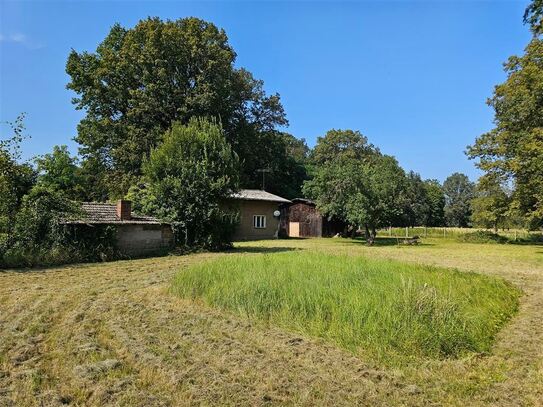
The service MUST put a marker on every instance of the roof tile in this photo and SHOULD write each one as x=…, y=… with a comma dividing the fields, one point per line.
x=106, y=213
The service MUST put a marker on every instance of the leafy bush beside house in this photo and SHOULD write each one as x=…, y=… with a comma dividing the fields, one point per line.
x=186, y=180
x=41, y=237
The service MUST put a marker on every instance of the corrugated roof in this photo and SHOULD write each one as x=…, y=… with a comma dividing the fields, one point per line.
x=106, y=213
x=257, y=195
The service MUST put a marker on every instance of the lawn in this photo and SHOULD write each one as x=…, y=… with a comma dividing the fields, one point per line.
x=114, y=334
x=380, y=308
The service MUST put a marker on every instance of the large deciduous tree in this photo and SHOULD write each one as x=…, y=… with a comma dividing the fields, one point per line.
x=490, y=205
x=187, y=179
x=458, y=190
x=416, y=205
x=512, y=152
x=355, y=183
x=436, y=203
x=141, y=80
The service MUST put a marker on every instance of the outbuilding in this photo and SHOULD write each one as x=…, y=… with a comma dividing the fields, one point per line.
x=301, y=218
x=136, y=235
x=258, y=214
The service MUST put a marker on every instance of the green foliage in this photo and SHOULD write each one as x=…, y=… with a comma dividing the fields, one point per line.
x=353, y=182
x=141, y=80
x=284, y=156
x=490, y=205
x=342, y=145
x=380, y=308
x=436, y=203
x=368, y=194
x=458, y=190
x=534, y=16
x=416, y=204
x=41, y=236
x=482, y=236
x=59, y=172
x=188, y=178
x=16, y=178
x=513, y=150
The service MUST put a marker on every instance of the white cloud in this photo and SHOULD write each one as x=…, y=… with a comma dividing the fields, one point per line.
x=22, y=39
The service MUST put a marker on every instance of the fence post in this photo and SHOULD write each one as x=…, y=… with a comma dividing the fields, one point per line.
x=444, y=232
x=406, y=232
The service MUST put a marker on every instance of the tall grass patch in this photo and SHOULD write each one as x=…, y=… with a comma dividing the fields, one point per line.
x=380, y=308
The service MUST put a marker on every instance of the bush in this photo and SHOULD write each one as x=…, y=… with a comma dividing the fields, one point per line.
x=482, y=236
x=41, y=237
x=188, y=177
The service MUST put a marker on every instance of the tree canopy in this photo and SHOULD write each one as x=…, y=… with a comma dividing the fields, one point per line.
x=16, y=177
x=491, y=204
x=342, y=145
x=458, y=191
x=355, y=183
x=59, y=172
x=141, y=80
x=534, y=16
x=512, y=152
x=436, y=203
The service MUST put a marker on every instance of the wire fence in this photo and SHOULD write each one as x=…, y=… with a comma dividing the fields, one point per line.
x=449, y=232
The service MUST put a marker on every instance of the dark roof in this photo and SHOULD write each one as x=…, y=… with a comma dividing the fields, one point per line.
x=304, y=201
x=106, y=213
x=257, y=195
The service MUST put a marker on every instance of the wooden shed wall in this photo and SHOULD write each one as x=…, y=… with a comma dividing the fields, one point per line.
x=307, y=216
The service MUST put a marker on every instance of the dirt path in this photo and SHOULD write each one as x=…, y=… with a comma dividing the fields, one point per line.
x=111, y=334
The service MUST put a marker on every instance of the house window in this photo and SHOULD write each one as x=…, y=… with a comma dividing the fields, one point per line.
x=259, y=221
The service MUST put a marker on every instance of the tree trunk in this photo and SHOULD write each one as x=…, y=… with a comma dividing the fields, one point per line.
x=370, y=237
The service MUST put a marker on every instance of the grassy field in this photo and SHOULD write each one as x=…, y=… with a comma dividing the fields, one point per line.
x=113, y=334
x=384, y=309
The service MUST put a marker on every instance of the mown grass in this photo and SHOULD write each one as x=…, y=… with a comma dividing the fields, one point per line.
x=384, y=309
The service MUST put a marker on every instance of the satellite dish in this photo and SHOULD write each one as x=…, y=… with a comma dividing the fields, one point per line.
x=276, y=214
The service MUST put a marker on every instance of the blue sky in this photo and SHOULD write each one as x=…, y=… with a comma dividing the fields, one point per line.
x=413, y=76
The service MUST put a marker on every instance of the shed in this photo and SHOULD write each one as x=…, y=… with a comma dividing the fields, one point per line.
x=136, y=235
x=301, y=218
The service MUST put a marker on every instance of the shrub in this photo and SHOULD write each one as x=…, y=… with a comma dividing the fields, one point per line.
x=41, y=237
x=482, y=236
x=188, y=177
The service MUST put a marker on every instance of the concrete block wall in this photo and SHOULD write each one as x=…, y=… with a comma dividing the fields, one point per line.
x=141, y=240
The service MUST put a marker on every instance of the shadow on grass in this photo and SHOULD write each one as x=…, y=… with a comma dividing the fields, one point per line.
x=526, y=243
x=388, y=241
x=261, y=249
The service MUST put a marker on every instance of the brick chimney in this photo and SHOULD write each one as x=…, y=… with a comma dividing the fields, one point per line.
x=124, y=209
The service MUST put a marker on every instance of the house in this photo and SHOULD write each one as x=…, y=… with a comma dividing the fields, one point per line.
x=301, y=218
x=135, y=235
x=259, y=214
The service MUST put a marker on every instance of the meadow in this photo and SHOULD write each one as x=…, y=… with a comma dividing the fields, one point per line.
x=384, y=309
x=115, y=334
